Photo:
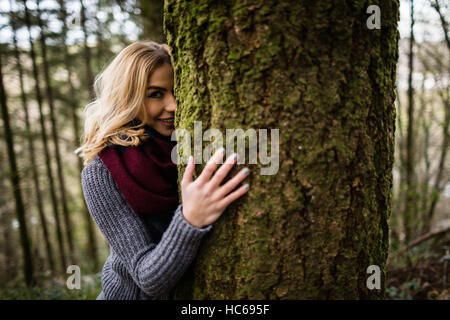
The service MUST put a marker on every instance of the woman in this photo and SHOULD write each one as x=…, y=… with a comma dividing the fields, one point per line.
x=130, y=182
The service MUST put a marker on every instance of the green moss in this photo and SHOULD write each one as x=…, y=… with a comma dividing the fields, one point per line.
x=317, y=74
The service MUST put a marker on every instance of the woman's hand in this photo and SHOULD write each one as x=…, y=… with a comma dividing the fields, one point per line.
x=204, y=200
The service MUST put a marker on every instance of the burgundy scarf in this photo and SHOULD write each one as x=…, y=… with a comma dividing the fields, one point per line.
x=145, y=174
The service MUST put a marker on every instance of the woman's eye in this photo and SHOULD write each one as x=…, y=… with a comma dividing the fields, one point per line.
x=155, y=94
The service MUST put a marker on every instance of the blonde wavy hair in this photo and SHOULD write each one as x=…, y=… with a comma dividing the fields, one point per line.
x=120, y=98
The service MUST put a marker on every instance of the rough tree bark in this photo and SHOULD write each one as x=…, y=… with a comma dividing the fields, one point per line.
x=314, y=71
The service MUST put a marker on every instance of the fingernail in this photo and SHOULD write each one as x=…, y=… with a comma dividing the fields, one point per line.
x=246, y=186
x=190, y=160
x=221, y=150
x=234, y=156
x=245, y=171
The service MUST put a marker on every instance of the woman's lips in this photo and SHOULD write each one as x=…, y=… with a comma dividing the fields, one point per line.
x=169, y=123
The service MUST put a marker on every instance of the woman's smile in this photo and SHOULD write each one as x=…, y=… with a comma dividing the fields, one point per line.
x=168, y=122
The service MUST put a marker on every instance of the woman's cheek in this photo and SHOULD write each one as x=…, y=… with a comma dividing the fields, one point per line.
x=151, y=112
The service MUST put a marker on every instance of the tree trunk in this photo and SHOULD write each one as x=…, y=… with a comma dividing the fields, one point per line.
x=8, y=243
x=395, y=220
x=438, y=186
x=48, y=164
x=55, y=138
x=445, y=97
x=152, y=20
x=15, y=184
x=424, y=185
x=444, y=22
x=92, y=242
x=99, y=31
x=87, y=53
x=31, y=151
x=319, y=75
x=410, y=204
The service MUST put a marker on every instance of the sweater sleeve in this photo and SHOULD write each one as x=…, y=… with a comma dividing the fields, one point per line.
x=154, y=267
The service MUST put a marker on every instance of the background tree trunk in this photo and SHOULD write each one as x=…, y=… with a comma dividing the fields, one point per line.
x=438, y=186
x=48, y=164
x=92, y=241
x=8, y=239
x=425, y=183
x=152, y=20
x=32, y=153
x=319, y=75
x=15, y=184
x=55, y=138
x=410, y=206
x=87, y=52
x=8, y=243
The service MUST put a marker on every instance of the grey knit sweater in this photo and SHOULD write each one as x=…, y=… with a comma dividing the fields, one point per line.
x=148, y=255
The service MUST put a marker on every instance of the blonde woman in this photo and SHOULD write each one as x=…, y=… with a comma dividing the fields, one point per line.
x=130, y=182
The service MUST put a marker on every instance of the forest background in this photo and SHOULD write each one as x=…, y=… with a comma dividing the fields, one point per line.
x=51, y=51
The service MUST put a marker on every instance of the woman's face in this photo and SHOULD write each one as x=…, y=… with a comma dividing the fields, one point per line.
x=160, y=100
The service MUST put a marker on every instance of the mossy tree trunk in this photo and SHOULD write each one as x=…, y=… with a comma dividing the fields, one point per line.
x=314, y=71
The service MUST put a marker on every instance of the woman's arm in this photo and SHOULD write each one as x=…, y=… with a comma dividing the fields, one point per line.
x=155, y=268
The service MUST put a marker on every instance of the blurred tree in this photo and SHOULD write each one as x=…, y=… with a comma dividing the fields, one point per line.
x=100, y=47
x=73, y=101
x=7, y=243
x=411, y=196
x=15, y=183
x=55, y=136
x=87, y=53
x=48, y=163
x=58, y=53
x=31, y=148
x=152, y=20
x=444, y=94
x=311, y=230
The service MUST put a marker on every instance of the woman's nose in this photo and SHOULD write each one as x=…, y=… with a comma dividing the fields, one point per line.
x=171, y=104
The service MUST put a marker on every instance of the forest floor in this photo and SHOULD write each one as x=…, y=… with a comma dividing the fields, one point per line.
x=54, y=289
x=423, y=280
x=421, y=273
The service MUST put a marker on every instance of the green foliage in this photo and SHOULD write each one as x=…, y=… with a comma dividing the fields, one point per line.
x=54, y=290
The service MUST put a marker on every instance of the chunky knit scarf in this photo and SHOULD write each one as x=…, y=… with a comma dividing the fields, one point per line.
x=145, y=174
